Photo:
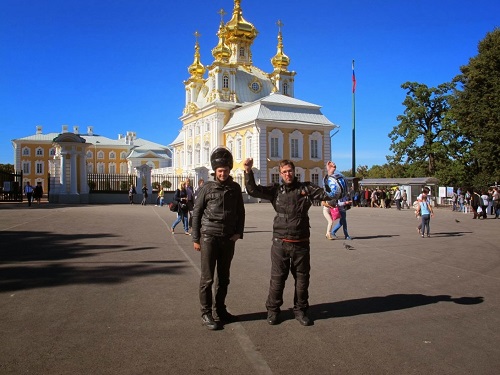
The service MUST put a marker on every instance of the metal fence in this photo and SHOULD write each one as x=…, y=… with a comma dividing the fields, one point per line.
x=110, y=182
x=11, y=186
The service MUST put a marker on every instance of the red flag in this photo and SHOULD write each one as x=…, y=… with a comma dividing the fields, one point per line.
x=353, y=79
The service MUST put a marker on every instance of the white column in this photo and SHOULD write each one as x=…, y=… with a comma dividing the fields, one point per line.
x=63, y=173
x=84, y=187
x=73, y=173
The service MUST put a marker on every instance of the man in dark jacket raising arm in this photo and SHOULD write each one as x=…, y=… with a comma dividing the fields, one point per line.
x=290, y=249
x=218, y=222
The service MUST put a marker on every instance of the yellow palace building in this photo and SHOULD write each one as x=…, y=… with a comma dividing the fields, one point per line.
x=39, y=154
x=255, y=114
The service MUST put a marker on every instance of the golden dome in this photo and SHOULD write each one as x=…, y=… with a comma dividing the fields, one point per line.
x=196, y=69
x=239, y=28
x=221, y=52
x=280, y=61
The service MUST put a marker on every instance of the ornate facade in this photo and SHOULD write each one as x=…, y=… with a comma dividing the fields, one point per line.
x=231, y=102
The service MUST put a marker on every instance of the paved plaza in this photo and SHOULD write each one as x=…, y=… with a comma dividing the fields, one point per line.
x=107, y=289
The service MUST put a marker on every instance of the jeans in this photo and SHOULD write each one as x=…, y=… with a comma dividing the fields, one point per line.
x=342, y=223
x=426, y=220
x=286, y=257
x=216, y=252
x=181, y=216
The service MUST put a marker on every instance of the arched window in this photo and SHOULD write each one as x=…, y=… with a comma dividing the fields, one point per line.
x=296, y=145
x=26, y=151
x=242, y=51
x=275, y=144
x=225, y=81
x=206, y=152
x=248, y=146
x=112, y=155
x=285, y=88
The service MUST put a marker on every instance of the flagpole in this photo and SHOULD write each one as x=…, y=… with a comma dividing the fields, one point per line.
x=353, y=122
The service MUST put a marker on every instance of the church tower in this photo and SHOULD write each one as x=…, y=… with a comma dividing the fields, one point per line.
x=281, y=77
x=254, y=113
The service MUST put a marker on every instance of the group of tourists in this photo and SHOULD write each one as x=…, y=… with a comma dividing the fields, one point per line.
x=482, y=202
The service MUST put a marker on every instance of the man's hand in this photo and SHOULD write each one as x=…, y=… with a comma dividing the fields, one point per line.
x=235, y=237
x=330, y=167
x=248, y=164
x=197, y=246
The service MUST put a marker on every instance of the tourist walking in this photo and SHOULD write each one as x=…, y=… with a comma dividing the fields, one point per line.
x=425, y=211
x=180, y=197
x=28, y=191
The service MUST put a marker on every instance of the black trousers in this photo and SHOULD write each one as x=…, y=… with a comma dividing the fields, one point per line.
x=286, y=257
x=216, y=254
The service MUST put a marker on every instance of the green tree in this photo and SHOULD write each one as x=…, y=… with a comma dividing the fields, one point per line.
x=476, y=110
x=424, y=132
x=9, y=168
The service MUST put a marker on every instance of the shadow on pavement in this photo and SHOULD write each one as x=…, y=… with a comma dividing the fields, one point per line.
x=374, y=305
x=30, y=260
x=370, y=305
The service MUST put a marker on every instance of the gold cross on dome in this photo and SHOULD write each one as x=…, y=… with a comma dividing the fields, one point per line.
x=196, y=35
x=222, y=14
x=280, y=25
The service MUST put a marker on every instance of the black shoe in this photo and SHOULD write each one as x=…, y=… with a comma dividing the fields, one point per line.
x=272, y=318
x=303, y=318
x=209, y=322
x=225, y=317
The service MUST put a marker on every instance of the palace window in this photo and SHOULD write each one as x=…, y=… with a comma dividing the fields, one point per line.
x=248, y=147
x=314, y=149
x=39, y=167
x=225, y=81
x=242, y=51
x=112, y=168
x=294, y=148
x=26, y=167
x=296, y=145
x=100, y=155
x=39, y=151
x=274, y=148
x=112, y=155
x=89, y=154
x=123, y=155
x=238, y=148
x=275, y=178
x=285, y=88
x=52, y=151
x=316, y=143
x=26, y=151
x=197, y=154
x=315, y=178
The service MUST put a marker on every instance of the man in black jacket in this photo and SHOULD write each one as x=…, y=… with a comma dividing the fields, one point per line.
x=290, y=250
x=218, y=222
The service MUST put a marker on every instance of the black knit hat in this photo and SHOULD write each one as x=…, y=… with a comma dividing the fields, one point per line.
x=221, y=157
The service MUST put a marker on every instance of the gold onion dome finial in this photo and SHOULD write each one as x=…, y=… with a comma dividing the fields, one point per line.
x=196, y=69
x=221, y=52
x=238, y=27
x=280, y=61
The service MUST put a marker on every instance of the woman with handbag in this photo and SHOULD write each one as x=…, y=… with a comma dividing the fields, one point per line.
x=181, y=197
x=343, y=205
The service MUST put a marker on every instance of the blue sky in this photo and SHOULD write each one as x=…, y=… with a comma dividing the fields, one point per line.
x=119, y=65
